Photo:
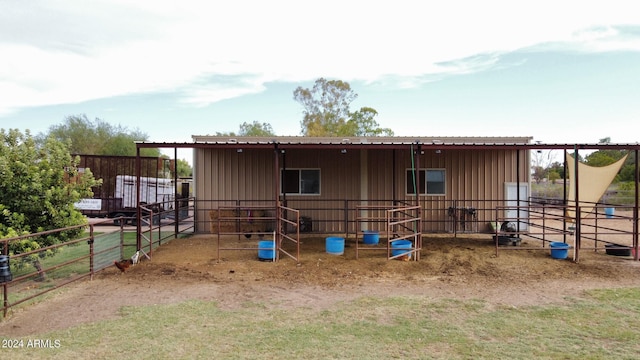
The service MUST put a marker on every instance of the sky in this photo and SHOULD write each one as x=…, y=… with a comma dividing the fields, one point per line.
x=558, y=71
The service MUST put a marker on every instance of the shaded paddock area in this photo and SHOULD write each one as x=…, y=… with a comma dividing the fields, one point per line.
x=461, y=259
x=459, y=268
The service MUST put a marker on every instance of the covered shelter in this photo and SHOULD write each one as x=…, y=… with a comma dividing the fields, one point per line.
x=348, y=185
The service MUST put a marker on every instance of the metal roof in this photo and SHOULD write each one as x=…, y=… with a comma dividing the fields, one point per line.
x=394, y=142
x=377, y=140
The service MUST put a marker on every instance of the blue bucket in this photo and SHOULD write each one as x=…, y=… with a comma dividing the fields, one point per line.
x=559, y=250
x=335, y=245
x=401, y=244
x=609, y=211
x=370, y=237
x=266, y=250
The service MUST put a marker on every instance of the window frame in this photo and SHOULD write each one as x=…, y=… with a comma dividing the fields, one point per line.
x=424, y=183
x=300, y=185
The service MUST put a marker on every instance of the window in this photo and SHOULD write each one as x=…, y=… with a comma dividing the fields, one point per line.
x=429, y=182
x=300, y=181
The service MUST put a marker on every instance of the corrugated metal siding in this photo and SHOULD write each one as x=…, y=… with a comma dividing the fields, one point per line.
x=224, y=176
x=229, y=175
x=380, y=173
x=471, y=176
x=339, y=181
x=473, y=179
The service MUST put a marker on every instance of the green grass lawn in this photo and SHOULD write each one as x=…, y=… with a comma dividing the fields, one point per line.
x=604, y=325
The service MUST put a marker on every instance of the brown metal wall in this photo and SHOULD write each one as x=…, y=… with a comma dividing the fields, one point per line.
x=470, y=175
x=232, y=175
x=473, y=179
x=339, y=181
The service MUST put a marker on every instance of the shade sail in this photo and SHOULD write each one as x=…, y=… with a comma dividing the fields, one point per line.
x=594, y=181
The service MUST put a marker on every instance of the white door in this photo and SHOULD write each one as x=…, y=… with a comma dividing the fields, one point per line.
x=512, y=213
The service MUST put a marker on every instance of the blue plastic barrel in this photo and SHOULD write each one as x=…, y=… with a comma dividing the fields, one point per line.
x=400, y=244
x=370, y=237
x=5, y=269
x=266, y=250
x=335, y=245
x=609, y=211
x=559, y=250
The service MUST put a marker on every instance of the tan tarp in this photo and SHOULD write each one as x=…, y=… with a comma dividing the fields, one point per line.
x=594, y=181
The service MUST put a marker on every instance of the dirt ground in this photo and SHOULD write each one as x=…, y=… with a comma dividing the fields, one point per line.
x=459, y=268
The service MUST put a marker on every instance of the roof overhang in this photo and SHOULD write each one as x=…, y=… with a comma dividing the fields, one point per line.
x=442, y=143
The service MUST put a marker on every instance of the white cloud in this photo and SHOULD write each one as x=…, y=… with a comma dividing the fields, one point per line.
x=72, y=51
x=206, y=93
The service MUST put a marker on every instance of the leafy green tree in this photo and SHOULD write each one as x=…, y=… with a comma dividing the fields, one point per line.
x=609, y=156
x=251, y=129
x=538, y=173
x=604, y=157
x=256, y=129
x=98, y=137
x=600, y=158
x=627, y=173
x=183, y=168
x=580, y=157
x=363, y=123
x=326, y=106
x=558, y=168
x=327, y=111
x=553, y=176
x=38, y=188
x=121, y=144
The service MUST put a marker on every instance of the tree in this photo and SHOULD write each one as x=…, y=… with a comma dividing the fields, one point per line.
x=363, y=123
x=183, y=168
x=557, y=168
x=98, y=137
x=628, y=171
x=541, y=163
x=554, y=176
x=327, y=111
x=608, y=156
x=538, y=173
x=604, y=157
x=599, y=158
x=101, y=138
x=36, y=193
x=580, y=157
x=256, y=129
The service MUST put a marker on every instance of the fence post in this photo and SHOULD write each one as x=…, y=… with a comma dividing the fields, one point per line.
x=5, y=303
x=346, y=217
x=91, y=252
x=151, y=233
x=578, y=235
x=122, y=242
x=5, y=285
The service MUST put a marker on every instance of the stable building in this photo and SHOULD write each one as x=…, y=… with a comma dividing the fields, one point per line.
x=457, y=181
